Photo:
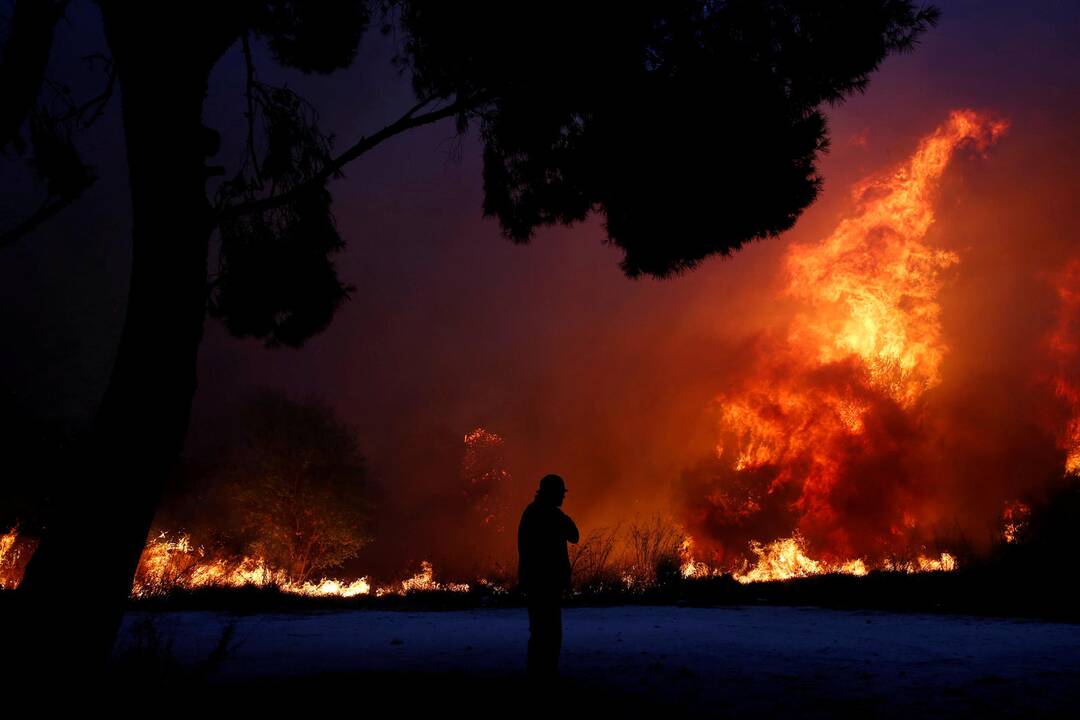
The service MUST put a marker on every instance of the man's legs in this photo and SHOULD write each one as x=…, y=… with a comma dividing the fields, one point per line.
x=545, y=634
x=556, y=636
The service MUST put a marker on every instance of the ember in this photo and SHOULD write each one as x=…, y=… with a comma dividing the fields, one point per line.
x=15, y=552
x=1014, y=518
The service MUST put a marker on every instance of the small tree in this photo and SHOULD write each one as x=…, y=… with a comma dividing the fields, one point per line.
x=299, y=483
x=592, y=561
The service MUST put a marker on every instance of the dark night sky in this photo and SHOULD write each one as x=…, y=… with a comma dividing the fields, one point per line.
x=581, y=370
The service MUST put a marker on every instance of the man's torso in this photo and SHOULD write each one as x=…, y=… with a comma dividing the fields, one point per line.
x=543, y=560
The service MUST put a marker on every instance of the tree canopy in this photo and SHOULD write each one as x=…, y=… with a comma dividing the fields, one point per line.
x=297, y=483
x=691, y=127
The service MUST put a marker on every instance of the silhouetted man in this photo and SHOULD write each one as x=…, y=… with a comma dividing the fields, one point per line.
x=544, y=571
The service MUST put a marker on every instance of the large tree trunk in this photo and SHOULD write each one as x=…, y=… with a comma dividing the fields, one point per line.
x=73, y=594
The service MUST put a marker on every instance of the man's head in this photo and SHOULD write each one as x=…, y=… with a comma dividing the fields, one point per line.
x=552, y=490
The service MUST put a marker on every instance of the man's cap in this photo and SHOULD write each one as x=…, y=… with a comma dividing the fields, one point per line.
x=552, y=483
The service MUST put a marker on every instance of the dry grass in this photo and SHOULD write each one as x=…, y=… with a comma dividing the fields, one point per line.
x=644, y=555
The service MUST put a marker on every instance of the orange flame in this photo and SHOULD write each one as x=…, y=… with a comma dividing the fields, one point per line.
x=168, y=564
x=176, y=564
x=424, y=581
x=787, y=558
x=1015, y=518
x=850, y=371
x=15, y=552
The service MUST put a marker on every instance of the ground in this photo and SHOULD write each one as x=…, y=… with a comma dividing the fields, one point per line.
x=726, y=662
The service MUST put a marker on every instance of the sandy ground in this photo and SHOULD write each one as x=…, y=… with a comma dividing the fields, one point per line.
x=727, y=662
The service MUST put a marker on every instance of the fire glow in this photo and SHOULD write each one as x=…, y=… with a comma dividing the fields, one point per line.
x=170, y=563
x=811, y=473
x=167, y=564
x=821, y=418
x=176, y=564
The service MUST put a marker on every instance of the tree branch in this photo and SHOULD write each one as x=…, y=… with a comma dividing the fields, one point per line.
x=81, y=116
x=23, y=62
x=408, y=121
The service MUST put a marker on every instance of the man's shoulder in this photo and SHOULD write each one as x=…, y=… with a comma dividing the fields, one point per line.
x=539, y=512
x=529, y=512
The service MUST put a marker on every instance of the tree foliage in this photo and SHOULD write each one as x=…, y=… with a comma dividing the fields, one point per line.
x=313, y=37
x=691, y=127
x=276, y=279
x=299, y=485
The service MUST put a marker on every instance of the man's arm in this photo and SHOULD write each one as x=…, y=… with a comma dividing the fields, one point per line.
x=570, y=529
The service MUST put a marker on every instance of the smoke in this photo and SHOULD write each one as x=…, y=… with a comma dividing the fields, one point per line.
x=880, y=384
x=622, y=387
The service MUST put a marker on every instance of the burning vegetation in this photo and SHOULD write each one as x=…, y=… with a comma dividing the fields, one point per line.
x=830, y=455
x=818, y=462
x=15, y=552
x=168, y=565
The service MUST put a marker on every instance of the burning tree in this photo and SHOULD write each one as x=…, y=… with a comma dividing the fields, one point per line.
x=298, y=481
x=485, y=492
x=815, y=454
x=484, y=478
